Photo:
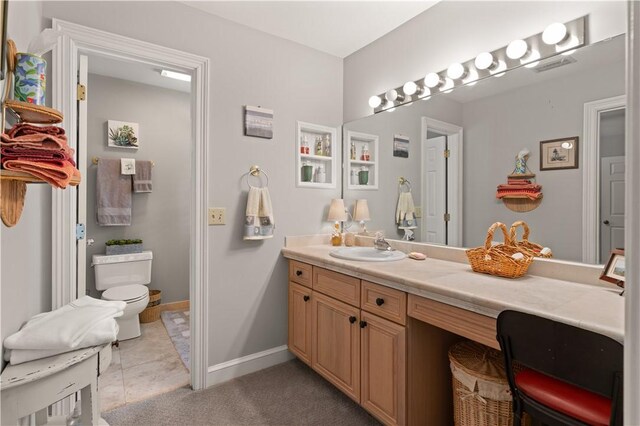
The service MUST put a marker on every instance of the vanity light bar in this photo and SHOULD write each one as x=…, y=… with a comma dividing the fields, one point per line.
x=557, y=38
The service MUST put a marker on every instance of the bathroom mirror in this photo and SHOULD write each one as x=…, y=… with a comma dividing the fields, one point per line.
x=482, y=128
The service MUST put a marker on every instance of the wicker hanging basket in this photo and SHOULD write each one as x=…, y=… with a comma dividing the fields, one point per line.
x=496, y=259
x=152, y=311
x=525, y=245
x=481, y=394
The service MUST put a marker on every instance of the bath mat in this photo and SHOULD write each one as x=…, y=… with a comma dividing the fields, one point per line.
x=177, y=325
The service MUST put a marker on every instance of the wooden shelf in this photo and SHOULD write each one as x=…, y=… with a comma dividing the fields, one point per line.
x=28, y=178
x=526, y=176
x=521, y=203
x=30, y=113
x=316, y=157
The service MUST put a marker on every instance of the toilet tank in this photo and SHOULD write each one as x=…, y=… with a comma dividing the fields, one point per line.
x=122, y=269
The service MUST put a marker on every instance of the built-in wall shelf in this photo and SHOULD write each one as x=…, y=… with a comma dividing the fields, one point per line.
x=361, y=150
x=317, y=156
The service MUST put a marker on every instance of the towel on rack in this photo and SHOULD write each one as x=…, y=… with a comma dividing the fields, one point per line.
x=259, y=223
x=406, y=212
x=58, y=173
x=66, y=327
x=113, y=194
x=104, y=331
x=142, y=178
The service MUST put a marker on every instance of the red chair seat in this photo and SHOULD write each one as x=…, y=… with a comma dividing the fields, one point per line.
x=565, y=398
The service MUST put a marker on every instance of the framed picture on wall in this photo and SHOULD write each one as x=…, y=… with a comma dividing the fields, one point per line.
x=401, y=146
x=258, y=122
x=122, y=134
x=559, y=154
x=614, y=271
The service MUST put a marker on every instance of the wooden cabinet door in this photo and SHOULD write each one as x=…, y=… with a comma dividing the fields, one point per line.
x=383, y=369
x=300, y=321
x=336, y=343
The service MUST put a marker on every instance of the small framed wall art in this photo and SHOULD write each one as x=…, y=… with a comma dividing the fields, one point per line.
x=614, y=271
x=559, y=154
x=258, y=122
x=401, y=146
x=122, y=134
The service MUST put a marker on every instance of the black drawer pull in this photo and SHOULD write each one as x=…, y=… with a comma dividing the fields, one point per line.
x=298, y=272
x=352, y=319
x=379, y=301
x=363, y=324
x=305, y=298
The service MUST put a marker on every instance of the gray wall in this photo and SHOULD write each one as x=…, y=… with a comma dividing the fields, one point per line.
x=454, y=31
x=406, y=121
x=161, y=218
x=248, y=280
x=490, y=147
x=26, y=248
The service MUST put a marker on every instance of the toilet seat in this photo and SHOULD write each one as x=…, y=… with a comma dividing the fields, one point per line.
x=126, y=293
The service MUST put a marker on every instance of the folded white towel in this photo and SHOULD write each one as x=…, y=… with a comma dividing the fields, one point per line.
x=66, y=327
x=103, y=332
x=259, y=222
x=406, y=212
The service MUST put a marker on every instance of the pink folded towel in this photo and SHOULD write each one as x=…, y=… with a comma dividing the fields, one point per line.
x=57, y=173
x=29, y=129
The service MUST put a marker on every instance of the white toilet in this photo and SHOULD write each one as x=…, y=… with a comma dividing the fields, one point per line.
x=124, y=277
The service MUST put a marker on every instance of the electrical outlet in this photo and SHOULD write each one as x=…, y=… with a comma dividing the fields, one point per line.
x=217, y=216
x=418, y=212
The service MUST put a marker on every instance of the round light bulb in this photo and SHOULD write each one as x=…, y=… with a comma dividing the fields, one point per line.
x=532, y=60
x=448, y=86
x=426, y=93
x=567, y=145
x=391, y=95
x=456, y=71
x=410, y=88
x=554, y=33
x=484, y=61
x=375, y=101
x=499, y=70
x=517, y=49
x=432, y=80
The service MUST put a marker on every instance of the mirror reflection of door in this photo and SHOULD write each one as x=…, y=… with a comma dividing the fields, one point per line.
x=435, y=176
x=612, y=169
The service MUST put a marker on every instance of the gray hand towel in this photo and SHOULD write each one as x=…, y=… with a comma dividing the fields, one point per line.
x=113, y=194
x=142, y=178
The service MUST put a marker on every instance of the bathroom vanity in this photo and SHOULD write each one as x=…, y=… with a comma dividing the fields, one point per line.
x=380, y=332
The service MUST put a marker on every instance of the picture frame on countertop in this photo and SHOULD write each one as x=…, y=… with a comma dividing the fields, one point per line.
x=559, y=154
x=614, y=271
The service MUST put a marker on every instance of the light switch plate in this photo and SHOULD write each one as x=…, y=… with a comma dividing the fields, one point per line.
x=418, y=212
x=217, y=216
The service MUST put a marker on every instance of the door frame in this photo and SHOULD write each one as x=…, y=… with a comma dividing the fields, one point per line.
x=591, y=173
x=454, y=175
x=72, y=40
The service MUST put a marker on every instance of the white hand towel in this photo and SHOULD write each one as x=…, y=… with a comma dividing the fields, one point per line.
x=259, y=223
x=66, y=327
x=406, y=212
x=103, y=332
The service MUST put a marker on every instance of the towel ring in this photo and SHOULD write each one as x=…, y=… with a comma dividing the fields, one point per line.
x=255, y=171
x=404, y=182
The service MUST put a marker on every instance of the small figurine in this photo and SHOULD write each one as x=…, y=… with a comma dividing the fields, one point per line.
x=521, y=162
x=319, y=146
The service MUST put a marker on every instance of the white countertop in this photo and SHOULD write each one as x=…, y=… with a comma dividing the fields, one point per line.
x=593, y=308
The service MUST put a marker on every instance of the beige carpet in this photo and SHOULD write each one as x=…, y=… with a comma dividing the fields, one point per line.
x=286, y=394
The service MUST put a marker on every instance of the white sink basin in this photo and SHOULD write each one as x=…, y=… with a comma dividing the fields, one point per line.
x=367, y=254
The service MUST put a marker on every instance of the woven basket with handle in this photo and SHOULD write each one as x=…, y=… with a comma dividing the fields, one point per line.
x=496, y=259
x=525, y=245
x=152, y=311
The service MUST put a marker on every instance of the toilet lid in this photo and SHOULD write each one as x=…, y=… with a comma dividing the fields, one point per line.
x=126, y=293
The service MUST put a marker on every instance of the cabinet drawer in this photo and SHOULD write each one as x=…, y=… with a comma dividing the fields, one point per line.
x=300, y=273
x=339, y=286
x=386, y=302
x=471, y=325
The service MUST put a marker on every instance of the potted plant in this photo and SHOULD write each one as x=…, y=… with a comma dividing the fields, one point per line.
x=124, y=246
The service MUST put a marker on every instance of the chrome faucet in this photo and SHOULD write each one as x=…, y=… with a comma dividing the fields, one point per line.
x=380, y=243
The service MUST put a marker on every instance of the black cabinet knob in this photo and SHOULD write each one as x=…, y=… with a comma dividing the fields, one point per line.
x=298, y=272
x=363, y=324
x=379, y=301
x=352, y=319
x=305, y=298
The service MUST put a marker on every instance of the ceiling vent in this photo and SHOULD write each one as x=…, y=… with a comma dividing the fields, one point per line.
x=554, y=63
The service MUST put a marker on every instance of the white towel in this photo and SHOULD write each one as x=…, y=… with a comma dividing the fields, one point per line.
x=259, y=223
x=406, y=212
x=66, y=327
x=103, y=332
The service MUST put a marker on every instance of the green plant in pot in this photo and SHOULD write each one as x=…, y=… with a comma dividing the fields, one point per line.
x=124, y=246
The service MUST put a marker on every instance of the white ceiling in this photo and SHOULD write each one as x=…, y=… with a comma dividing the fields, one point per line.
x=335, y=27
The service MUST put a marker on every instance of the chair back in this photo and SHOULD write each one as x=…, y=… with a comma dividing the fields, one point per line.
x=583, y=358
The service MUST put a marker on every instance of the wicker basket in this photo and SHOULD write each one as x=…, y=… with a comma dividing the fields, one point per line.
x=497, y=260
x=152, y=311
x=525, y=245
x=481, y=394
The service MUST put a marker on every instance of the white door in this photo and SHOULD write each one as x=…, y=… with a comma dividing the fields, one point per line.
x=434, y=205
x=612, y=171
x=82, y=158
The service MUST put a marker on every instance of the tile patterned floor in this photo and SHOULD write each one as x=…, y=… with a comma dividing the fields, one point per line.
x=142, y=368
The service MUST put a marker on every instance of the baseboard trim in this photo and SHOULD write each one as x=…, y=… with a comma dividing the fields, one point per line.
x=182, y=305
x=247, y=364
